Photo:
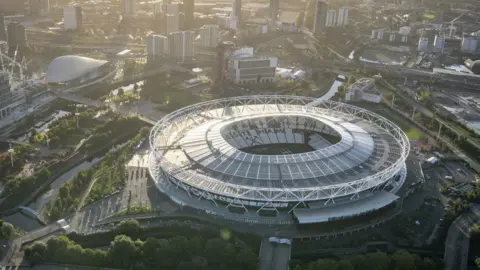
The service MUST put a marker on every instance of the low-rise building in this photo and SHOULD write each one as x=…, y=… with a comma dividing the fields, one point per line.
x=251, y=69
x=364, y=90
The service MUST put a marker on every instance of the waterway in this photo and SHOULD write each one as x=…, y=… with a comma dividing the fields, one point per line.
x=41, y=201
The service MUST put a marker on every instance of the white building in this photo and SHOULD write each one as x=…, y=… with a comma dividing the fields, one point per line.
x=342, y=19
x=364, y=90
x=157, y=46
x=392, y=37
x=156, y=6
x=72, y=17
x=181, y=45
x=439, y=43
x=209, y=35
x=404, y=39
x=173, y=8
x=422, y=44
x=380, y=34
x=252, y=70
x=405, y=30
x=374, y=34
x=470, y=42
x=172, y=23
x=331, y=18
x=129, y=7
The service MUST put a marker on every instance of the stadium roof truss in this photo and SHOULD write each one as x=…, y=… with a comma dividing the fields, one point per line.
x=167, y=132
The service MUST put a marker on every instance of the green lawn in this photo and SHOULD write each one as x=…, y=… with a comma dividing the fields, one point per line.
x=413, y=134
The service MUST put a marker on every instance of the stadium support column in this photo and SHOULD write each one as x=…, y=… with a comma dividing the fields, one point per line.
x=439, y=130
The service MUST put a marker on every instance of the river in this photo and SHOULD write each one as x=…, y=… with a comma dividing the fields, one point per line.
x=41, y=201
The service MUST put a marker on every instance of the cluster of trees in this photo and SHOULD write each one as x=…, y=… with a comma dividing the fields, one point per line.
x=63, y=130
x=111, y=171
x=160, y=90
x=68, y=197
x=7, y=231
x=400, y=260
x=17, y=189
x=177, y=252
x=20, y=153
x=116, y=127
x=109, y=175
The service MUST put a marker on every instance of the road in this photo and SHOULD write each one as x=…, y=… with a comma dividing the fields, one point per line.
x=274, y=256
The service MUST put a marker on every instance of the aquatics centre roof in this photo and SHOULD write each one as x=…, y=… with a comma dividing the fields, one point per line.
x=69, y=67
x=201, y=146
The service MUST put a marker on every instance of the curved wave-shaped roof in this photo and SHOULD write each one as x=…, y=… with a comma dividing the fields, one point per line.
x=69, y=67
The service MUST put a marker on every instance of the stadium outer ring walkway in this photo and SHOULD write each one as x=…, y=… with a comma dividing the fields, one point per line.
x=286, y=104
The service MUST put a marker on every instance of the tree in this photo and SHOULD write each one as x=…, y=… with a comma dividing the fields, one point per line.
x=345, y=265
x=246, y=259
x=128, y=227
x=123, y=251
x=323, y=264
x=378, y=261
x=403, y=260
x=8, y=231
x=300, y=18
x=121, y=91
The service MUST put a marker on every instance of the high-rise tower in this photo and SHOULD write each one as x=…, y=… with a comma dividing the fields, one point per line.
x=320, y=17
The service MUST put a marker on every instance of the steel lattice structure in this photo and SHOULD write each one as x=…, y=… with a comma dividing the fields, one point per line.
x=371, y=151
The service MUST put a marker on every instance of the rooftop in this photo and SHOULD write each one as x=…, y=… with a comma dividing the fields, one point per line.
x=69, y=67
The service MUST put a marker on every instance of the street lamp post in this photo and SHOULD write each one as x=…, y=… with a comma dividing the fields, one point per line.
x=48, y=139
x=11, y=152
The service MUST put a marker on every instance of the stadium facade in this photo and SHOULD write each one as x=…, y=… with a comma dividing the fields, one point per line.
x=281, y=158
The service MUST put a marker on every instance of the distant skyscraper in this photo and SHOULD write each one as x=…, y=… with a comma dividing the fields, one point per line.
x=422, y=44
x=331, y=18
x=320, y=17
x=72, y=17
x=209, y=36
x=156, y=6
x=224, y=51
x=342, y=18
x=172, y=23
x=181, y=44
x=173, y=8
x=129, y=7
x=273, y=9
x=439, y=43
x=189, y=9
x=3, y=34
x=16, y=35
x=157, y=46
x=39, y=7
x=236, y=16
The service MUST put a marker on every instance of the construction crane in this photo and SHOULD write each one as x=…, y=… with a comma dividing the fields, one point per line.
x=453, y=21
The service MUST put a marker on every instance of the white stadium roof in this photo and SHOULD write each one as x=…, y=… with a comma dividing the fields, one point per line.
x=200, y=147
x=69, y=67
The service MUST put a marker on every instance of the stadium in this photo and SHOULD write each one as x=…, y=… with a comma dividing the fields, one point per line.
x=278, y=159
